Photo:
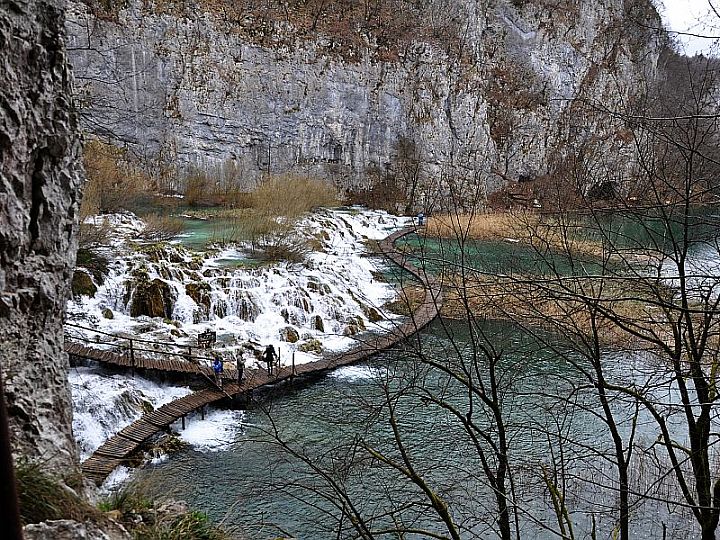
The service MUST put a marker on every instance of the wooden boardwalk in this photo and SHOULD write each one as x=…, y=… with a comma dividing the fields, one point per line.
x=116, y=449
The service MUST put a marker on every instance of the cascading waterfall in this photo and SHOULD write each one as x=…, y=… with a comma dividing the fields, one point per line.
x=303, y=309
x=166, y=292
x=103, y=404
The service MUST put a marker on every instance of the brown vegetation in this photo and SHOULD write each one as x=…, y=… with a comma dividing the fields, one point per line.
x=292, y=196
x=113, y=183
x=160, y=228
x=351, y=29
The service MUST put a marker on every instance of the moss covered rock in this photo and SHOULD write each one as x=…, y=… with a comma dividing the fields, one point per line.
x=82, y=284
x=311, y=346
x=289, y=334
x=151, y=298
x=200, y=293
x=372, y=314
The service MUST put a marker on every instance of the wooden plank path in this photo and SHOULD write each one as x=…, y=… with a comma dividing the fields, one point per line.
x=115, y=451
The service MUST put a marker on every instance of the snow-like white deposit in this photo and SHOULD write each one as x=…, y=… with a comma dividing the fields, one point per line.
x=326, y=300
x=103, y=404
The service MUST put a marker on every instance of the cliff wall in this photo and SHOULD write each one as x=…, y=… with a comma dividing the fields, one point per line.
x=40, y=178
x=477, y=92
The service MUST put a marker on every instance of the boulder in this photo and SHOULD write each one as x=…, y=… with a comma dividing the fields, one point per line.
x=311, y=346
x=289, y=334
x=82, y=284
x=316, y=322
x=151, y=298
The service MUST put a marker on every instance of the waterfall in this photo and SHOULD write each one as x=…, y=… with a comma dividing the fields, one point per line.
x=169, y=292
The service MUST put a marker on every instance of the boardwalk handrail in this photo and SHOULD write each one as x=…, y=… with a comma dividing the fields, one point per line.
x=131, y=349
x=115, y=450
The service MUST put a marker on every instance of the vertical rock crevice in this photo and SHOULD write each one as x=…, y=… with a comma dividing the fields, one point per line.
x=40, y=183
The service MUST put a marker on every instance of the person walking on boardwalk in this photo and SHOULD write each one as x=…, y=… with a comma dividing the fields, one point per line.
x=240, y=368
x=218, y=370
x=270, y=355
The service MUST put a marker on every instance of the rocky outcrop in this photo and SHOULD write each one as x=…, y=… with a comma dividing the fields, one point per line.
x=480, y=92
x=40, y=180
x=82, y=284
x=65, y=529
x=151, y=298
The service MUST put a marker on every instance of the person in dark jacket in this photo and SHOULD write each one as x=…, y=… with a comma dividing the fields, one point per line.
x=240, y=368
x=270, y=355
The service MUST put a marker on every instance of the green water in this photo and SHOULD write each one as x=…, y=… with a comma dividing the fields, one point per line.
x=495, y=257
x=259, y=490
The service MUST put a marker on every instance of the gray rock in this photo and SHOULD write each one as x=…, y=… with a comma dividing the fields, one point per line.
x=66, y=529
x=194, y=89
x=40, y=185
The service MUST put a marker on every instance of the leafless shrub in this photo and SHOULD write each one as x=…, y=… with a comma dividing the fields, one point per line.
x=160, y=228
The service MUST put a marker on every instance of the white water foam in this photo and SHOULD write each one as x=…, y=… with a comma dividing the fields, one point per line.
x=355, y=373
x=336, y=285
x=104, y=404
x=219, y=429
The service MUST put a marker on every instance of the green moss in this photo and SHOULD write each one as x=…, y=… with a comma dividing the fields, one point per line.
x=43, y=497
x=82, y=284
x=94, y=263
x=311, y=346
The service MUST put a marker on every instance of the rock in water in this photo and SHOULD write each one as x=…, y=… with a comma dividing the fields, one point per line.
x=152, y=298
x=82, y=284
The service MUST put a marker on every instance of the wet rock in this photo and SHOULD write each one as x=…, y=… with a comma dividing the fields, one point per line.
x=108, y=313
x=350, y=330
x=153, y=298
x=320, y=288
x=372, y=314
x=82, y=284
x=316, y=322
x=356, y=321
x=311, y=346
x=200, y=293
x=289, y=334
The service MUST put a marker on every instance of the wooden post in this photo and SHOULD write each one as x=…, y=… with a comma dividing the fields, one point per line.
x=9, y=507
x=132, y=353
x=183, y=422
x=293, y=364
x=202, y=412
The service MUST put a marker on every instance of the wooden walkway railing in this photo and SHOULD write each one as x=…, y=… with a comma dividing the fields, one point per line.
x=116, y=449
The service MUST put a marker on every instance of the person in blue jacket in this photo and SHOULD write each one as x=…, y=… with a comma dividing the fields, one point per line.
x=218, y=370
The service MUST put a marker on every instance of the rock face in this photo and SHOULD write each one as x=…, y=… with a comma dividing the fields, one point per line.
x=483, y=92
x=40, y=179
x=66, y=529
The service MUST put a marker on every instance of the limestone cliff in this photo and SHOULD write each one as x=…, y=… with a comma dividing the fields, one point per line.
x=40, y=177
x=477, y=91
